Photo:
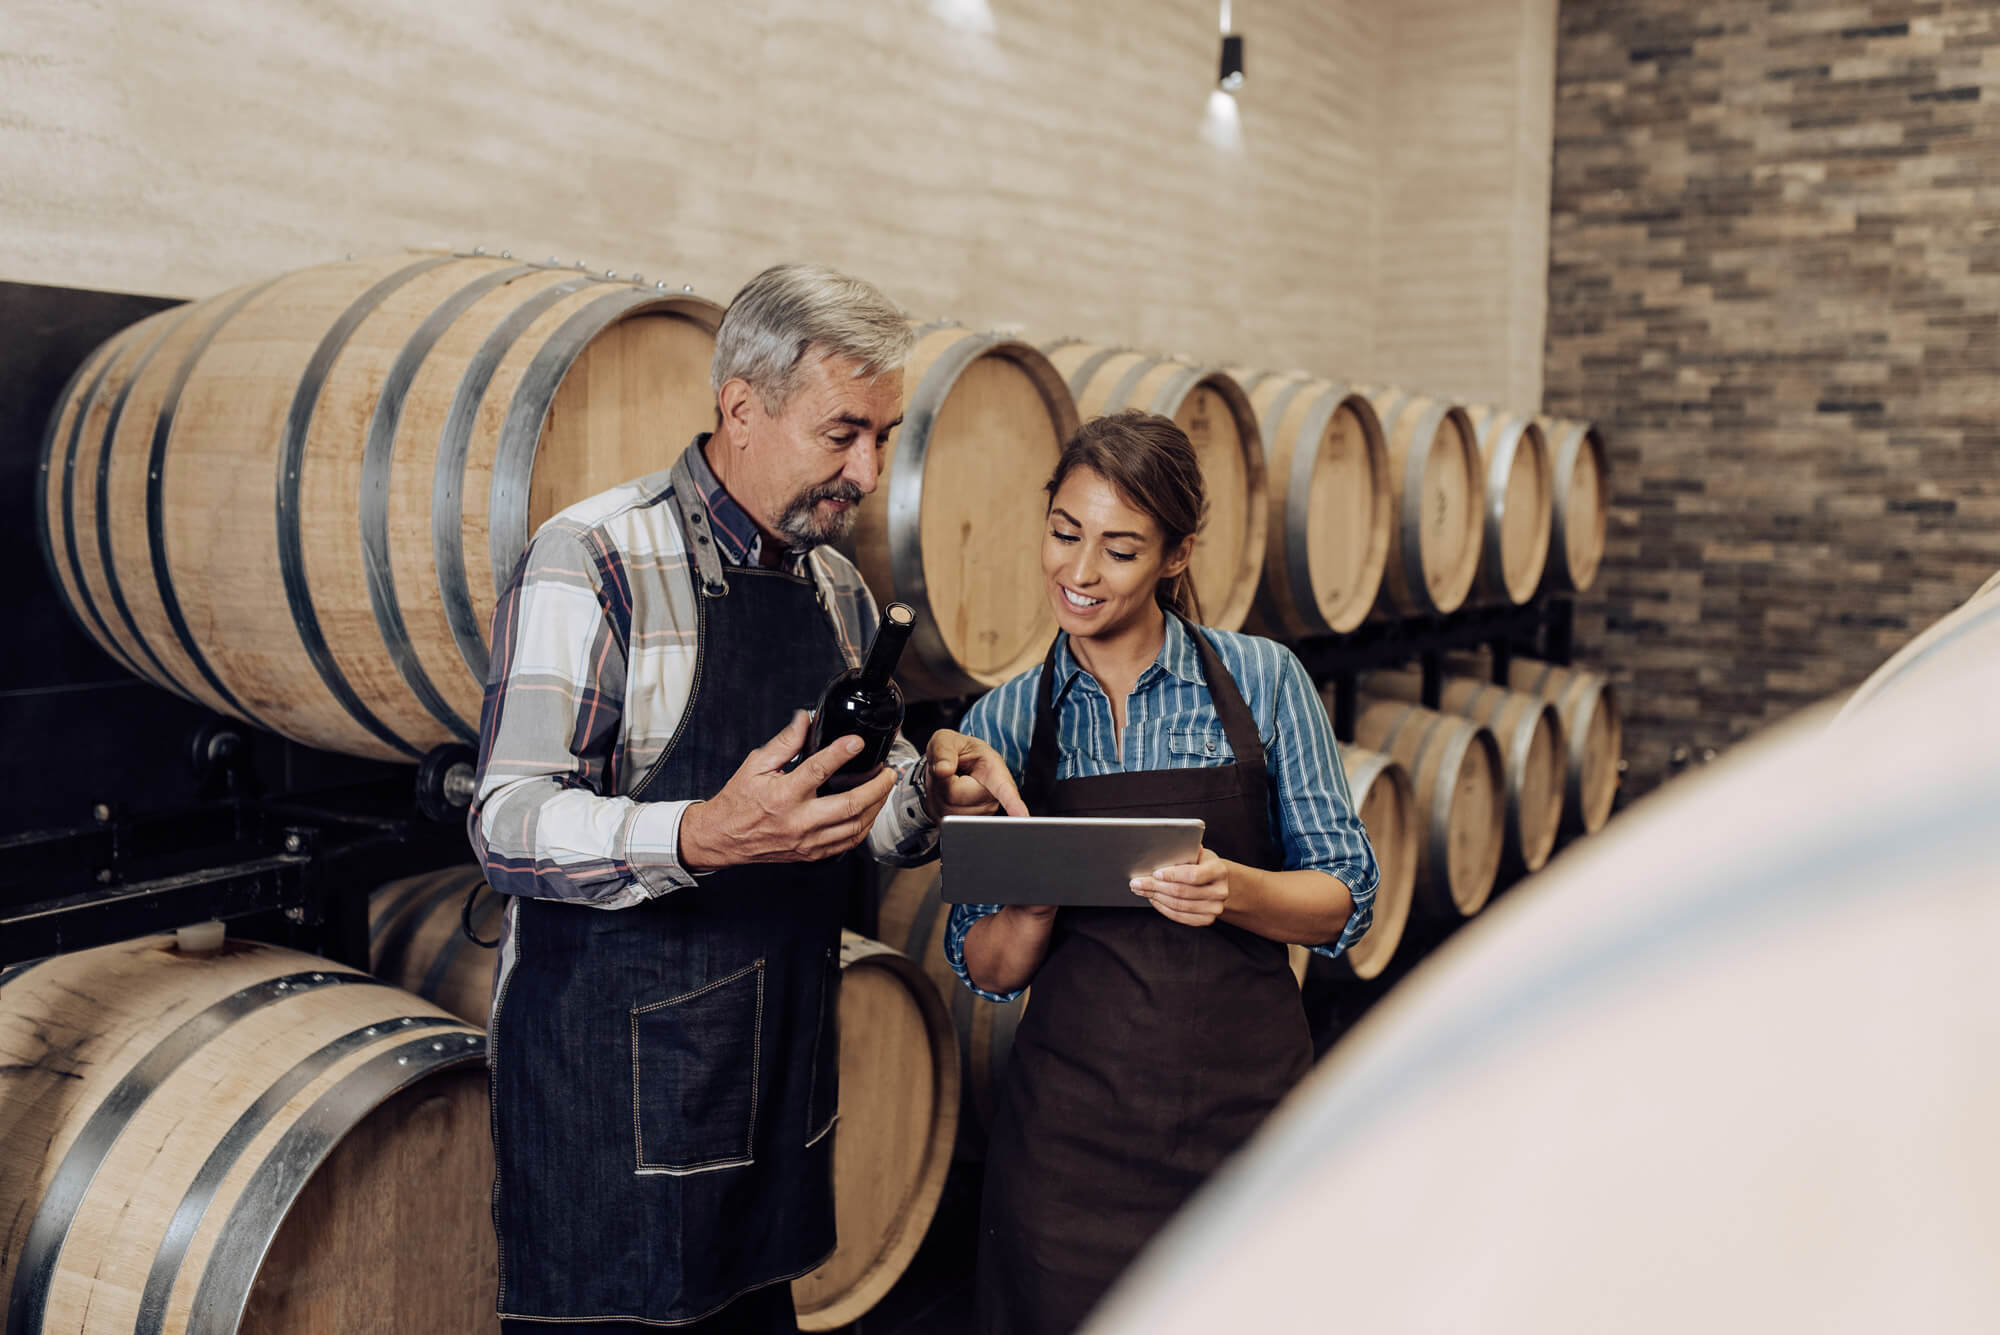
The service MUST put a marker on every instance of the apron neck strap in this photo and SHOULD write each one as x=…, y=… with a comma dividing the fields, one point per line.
x=695, y=527
x=1038, y=775
x=1238, y=724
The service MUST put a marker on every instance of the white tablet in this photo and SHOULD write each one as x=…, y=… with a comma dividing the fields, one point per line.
x=1082, y=861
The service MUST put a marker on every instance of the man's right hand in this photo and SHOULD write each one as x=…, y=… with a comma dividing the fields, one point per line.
x=764, y=814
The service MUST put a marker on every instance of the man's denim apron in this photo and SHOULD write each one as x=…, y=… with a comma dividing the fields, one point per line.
x=665, y=1076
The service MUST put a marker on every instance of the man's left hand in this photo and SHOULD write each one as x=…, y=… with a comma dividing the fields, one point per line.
x=963, y=776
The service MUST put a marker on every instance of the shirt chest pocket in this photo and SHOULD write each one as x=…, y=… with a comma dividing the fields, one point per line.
x=1190, y=747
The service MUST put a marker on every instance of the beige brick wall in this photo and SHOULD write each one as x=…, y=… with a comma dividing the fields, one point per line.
x=1379, y=212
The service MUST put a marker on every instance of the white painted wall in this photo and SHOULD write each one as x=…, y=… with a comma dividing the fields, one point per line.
x=1049, y=164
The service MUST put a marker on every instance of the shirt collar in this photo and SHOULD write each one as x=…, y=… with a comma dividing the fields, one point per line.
x=737, y=535
x=1177, y=656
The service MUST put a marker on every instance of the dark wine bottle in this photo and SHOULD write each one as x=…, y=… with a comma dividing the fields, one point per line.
x=865, y=702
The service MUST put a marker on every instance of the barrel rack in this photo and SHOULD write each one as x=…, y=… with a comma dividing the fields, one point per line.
x=233, y=855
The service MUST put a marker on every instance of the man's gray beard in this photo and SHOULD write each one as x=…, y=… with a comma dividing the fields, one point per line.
x=804, y=531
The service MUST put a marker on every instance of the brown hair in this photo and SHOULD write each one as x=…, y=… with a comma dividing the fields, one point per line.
x=1152, y=464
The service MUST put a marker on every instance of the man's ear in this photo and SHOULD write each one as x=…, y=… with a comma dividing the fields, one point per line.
x=735, y=404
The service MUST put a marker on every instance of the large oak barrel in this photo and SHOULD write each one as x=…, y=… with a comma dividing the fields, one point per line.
x=911, y=916
x=1593, y=737
x=955, y=527
x=1968, y=635
x=1439, y=496
x=1208, y=404
x=1455, y=770
x=1580, y=507
x=416, y=939
x=899, y=1078
x=1732, y=1066
x=249, y=1140
x=1327, y=541
x=296, y=502
x=1530, y=735
x=1519, y=504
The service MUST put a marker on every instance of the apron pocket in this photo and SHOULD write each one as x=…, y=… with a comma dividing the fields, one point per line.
x=823, y=1100
x=694, y=1076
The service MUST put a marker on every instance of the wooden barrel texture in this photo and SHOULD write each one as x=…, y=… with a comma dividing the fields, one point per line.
x=416, y=939
x=1327, y=541
x=1581, y=505
x=1593, y=737
x=1970, y=634
x=296, y=502
x=252, y=1140
x=1439, y=497
x=1737, y=1083
x=1208, y=404
x=1530, y=735
x=1456, y=772
x=955, y=529
x=911, y=916
x=1520, y=502
x=899, y=1107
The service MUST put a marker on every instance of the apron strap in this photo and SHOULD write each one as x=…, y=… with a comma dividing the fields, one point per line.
x=1038, y=775
x=1238, y=724
x=693, y=507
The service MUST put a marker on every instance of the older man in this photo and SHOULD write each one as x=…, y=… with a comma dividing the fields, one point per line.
x=664, y=1050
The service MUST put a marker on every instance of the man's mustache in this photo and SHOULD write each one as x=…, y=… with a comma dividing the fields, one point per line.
x=831, y=491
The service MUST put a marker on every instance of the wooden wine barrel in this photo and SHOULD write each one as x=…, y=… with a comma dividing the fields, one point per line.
x=1439, y=497
x=1530, y=735
x=1969, y=634
x=899, y=1078
x=296, y=502
x=252, y=1140
x=1710, y=1075
x=1581, y=504
x=955, y=529
x=416, y=939
x=1208, y=404
x=911, y=916
x=1327, y=540
x=899, y=1107
x=1520, y=504
x=1455, y=770
x=1593, y=737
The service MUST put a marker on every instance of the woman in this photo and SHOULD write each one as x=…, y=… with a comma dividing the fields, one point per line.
x=1159, y=1037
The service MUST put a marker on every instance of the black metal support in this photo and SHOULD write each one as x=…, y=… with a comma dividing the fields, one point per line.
x=307, y=869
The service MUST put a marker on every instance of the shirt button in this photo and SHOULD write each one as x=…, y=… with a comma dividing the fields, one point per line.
x=1211, y=748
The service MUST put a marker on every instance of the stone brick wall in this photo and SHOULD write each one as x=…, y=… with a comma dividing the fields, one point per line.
x=1775, y=280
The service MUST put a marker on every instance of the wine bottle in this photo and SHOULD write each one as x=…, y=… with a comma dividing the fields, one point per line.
x=865, y=702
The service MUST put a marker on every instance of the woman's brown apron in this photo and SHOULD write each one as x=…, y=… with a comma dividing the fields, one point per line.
x=1151, y=1050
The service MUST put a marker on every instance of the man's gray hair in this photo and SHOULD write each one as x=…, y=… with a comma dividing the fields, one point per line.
x=789, y=314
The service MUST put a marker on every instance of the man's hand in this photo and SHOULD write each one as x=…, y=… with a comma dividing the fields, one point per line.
x=963, y=776
x=766, y=815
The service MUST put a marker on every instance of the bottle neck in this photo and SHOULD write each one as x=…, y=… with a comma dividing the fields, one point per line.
x=885, y=652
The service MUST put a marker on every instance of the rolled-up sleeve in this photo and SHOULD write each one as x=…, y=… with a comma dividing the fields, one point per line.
x=1004, y=719
x=1319, y=828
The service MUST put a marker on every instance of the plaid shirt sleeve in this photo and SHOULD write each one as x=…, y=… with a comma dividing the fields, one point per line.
x=541, y=821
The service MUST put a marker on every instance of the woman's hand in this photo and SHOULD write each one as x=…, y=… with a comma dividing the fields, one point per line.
x=1194, y=893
